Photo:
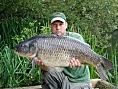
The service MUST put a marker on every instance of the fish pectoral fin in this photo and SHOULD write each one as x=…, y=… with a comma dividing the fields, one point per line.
x=59, y=69
x=34, y=61
x=101, y=72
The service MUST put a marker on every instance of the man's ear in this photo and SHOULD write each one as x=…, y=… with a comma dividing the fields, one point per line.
x=66, y=25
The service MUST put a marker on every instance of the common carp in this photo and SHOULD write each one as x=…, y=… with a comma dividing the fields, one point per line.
x=57, y=50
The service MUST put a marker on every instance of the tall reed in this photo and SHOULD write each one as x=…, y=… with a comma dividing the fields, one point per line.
x=108, y=52
x=16, y=71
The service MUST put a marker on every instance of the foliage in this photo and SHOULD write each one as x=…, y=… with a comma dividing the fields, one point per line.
x=100, y=16
x=21, y=19
x=16, y=71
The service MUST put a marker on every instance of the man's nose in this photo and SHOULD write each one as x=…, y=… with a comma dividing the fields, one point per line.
x=58, y=27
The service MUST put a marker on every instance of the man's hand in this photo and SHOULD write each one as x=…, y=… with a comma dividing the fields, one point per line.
x=41, y=64
x=74, y=62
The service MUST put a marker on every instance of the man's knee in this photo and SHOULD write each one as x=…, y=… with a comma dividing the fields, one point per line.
x=49, y=73
x=50, y=79
x=53, y=76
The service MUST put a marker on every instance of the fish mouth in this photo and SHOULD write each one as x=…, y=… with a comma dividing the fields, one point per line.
x=28, y=55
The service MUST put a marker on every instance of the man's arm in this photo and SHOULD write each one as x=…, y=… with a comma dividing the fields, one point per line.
x=41, y=64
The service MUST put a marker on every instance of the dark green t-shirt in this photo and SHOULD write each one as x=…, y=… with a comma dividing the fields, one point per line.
x=77, y=74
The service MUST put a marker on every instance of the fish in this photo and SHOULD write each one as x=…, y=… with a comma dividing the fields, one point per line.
x=56, y=51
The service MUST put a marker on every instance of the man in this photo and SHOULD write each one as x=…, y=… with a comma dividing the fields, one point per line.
x=76, y=76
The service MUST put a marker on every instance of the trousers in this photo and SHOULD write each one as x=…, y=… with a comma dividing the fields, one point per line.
x=57, y=80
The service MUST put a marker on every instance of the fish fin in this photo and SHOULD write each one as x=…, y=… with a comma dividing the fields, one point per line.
x=107, y=64
x=59, y=69
x=33, y=62
x=101, y=72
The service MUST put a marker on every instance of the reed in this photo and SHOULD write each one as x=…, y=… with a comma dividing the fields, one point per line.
x=108, y=52
x=16, y=71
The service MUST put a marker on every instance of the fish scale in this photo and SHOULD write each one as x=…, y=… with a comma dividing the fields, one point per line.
x=59, y=58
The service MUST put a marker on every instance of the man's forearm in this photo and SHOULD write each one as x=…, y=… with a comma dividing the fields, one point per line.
x=45, y=68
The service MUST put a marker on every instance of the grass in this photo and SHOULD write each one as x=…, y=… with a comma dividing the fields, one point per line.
x=16, y=71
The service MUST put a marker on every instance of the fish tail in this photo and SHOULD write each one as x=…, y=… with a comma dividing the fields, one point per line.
x=101, y=72
x=107, y=64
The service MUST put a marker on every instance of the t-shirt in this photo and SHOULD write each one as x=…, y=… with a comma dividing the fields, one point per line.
x=77, y=74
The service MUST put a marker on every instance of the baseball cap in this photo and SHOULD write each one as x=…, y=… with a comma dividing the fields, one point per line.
x=58, y=16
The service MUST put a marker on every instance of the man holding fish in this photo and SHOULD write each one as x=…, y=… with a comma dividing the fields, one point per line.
x=76, y=75
x=61, y=55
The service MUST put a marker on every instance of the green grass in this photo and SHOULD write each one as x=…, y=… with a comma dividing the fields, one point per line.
x=16, y=71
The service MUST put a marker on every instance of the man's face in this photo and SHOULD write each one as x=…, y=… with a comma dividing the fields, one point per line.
x=59, y=27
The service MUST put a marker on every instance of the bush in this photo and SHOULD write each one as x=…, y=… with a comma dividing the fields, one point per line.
x=20, y=20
